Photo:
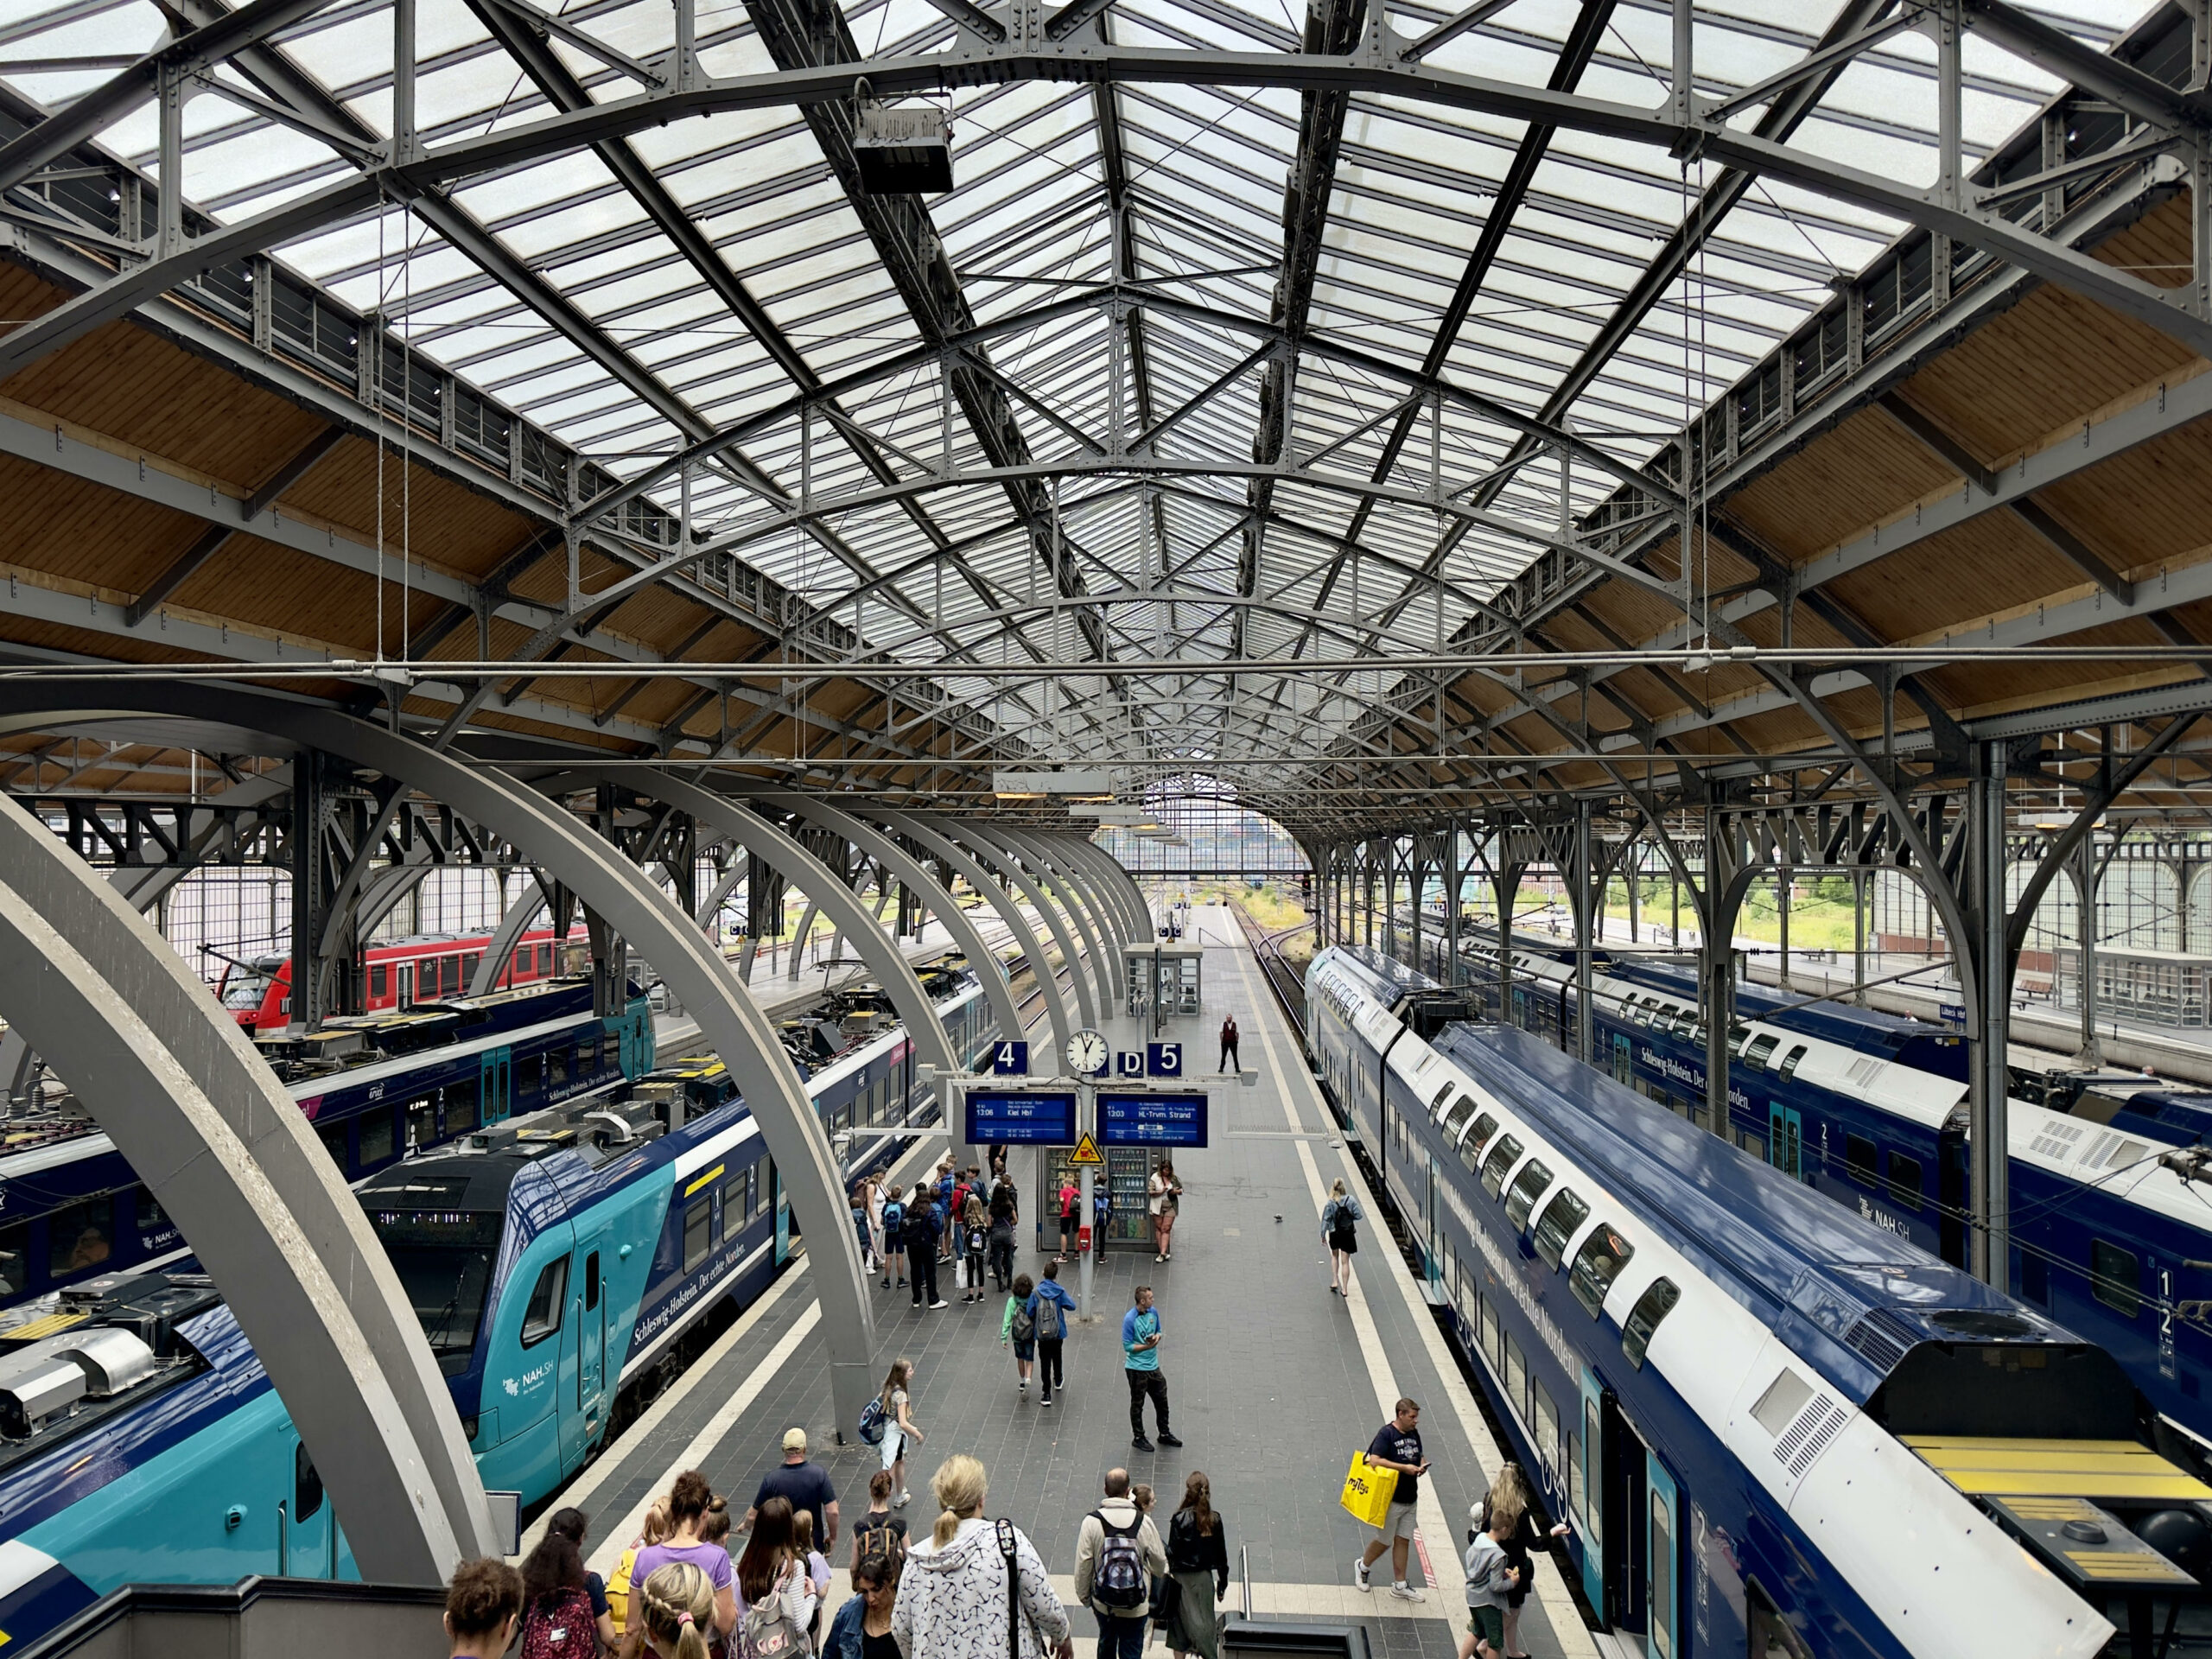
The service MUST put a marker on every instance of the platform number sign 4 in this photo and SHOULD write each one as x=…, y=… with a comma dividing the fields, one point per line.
x=1010, y=1059
x=1164, y=1059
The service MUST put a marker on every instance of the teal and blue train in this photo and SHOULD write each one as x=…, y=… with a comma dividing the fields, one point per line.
x=565, y=1264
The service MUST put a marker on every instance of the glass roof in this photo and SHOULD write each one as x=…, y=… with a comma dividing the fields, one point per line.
x=1395, y=522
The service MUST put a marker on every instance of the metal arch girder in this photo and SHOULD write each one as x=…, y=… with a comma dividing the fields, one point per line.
x=727, y=1016
x=1115, y=875
x=911, y=870
x=989, y=853
x=1072, y=899
x=1380, y=72
x=963, y=863
x=206, y=1125
x=783, y=853
x=500, y=949
x=1108, y=929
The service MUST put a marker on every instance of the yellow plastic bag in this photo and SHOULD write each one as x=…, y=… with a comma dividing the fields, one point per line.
x=1368, y=1490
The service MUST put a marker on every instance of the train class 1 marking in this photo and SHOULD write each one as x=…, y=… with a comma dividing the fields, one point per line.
x=565, y=1265
x=1758, y=1412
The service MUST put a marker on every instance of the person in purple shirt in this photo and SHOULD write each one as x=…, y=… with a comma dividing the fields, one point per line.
x=687, y=1508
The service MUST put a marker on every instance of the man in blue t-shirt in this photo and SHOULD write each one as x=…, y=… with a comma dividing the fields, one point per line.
x=803, y=1485
x=1396, y=1445
x=1141, y=1358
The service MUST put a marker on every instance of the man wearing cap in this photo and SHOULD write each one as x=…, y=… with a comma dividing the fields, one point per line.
x=807, y=1487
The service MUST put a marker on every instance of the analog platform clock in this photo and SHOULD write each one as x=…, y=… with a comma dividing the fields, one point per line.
x=1087, y=1054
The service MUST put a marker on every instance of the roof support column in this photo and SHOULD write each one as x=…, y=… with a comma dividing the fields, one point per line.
x=1988, y=1024
x=958, y=862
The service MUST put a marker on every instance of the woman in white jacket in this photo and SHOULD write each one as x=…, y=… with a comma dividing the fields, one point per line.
x=952, y=1597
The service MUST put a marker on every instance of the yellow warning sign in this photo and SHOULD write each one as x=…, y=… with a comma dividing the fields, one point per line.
x=1086, y=1152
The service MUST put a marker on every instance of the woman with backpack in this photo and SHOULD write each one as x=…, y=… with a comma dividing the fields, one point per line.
x=976, y=1588
x=879, y=1532
x=894, y=1237
x=688, y=1503
x=573, y=1524
x=655, y=1531
x=557, y=1621
x=975, y=1240
x=778, y=1590
x=1197, y=1556
x=1339, y=1230
x=1019, y=1327
x=898, y=1426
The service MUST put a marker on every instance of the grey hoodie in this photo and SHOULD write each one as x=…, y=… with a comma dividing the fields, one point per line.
x=952, y=1600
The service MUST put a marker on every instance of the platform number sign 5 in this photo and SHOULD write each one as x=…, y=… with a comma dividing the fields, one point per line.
x=1164, y=1059
x=1010, y=1059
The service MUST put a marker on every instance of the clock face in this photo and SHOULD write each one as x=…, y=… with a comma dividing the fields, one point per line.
x=1086, y=1053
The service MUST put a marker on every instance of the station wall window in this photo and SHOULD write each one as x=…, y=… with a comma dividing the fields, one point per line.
x=80, y=1238
x=2116, y=1276
x=1858, y=1158
x=541, y=1315
x=1904, y=1180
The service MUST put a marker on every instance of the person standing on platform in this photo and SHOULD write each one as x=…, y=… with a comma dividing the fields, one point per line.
x=1140, y=1339
x=894, y=1237
x=687, y=1513
x=1396, y=1445
x=1049, y=1306
x=483, y=1601
x=1005, y=1215
x=1198, y=1554
x=806, y=1486
x=1019, y=1327
x=1510, y=1498
x=976, y=1588
x=1071, y=1212
x=974, y=1243
x=1116, y=1555
x=1229, y=1055
x=922, y=1228
x=1164, y=1197
x=1492, y=1577
x=1340, y=1218
x=900, y=1433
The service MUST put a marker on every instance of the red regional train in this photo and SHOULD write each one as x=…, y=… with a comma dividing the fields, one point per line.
x=401, y=973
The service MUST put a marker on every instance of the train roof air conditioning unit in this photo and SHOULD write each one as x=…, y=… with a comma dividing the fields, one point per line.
x=903, y=151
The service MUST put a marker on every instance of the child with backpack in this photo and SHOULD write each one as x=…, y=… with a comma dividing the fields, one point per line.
x=780, y=1599
x=975, y=1239
x=879, y=1532
x=1049, y=1306
x=894, y=1237
x=557, y=1621
x=1019, y=1327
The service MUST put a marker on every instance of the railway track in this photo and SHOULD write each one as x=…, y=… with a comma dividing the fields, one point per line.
x=1285, y=981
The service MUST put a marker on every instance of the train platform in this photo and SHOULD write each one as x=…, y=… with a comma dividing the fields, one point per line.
x=1274, y=1383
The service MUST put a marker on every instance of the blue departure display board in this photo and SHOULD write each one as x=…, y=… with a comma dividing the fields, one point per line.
x=1020, y=1117
x=1152, y=1120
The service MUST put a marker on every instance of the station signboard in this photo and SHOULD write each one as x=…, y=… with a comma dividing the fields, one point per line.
x=1152, y=1119
x=1020, y=1117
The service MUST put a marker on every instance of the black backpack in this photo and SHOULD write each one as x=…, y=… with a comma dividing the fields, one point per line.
x=881, y=1537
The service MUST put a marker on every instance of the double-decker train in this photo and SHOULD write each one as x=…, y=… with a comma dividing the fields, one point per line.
x=564, y=1264
x=1773, y=1425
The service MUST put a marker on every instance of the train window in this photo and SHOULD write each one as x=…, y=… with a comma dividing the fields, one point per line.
x=307, y=1485
x=1471, y=1150
x=521, y=961
x=1593, y=1507
x=460, y=1100
x=1789, y=1060
x=2113, y=1273
x=1493, y=1336
x=1643, y=1319
x=1516, y=1376
x=545, y=958
x=1904, y=1180
x=333, y=1142
x=1762, y=1049
x=1771, y=1636
x=15, y=1259
x=1663, y=1575
x=541, y=1314
x=81, y=1237
x=1858, y=1158
x=149, y=1215
x=376, y=1138
x=736, y=1207
x=1437, y=1105
x=1597, y=1264
x=591, y=1282
x=557, y=1068
x=1502, y=1158
x=422, y=1123
x=530, y=1076
x=1545, y=1414
x=1527, y=1187
x=1556, y=1225
x=1457, y=1118
x=379, y=980
x=468, y=969
x=1570, y=1472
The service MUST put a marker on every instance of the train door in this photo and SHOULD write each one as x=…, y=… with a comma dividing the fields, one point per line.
x=498, y=1084
x=406, y=998
x=783, y=1213
x=307, y=1531
x=591, y=1342
x=1951, y=1182
x=1604, y=1523
x=1785, y=1146
x=1433, y=1243
x=1662, y=1578
x=1623, y=1059
x=567, y=1406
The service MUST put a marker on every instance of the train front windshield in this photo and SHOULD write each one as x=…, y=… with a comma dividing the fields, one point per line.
x=443, y=1258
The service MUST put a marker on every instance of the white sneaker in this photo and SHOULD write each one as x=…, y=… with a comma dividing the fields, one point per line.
x=1359, y=1577
x=903, y=1499
x=1407, y=1592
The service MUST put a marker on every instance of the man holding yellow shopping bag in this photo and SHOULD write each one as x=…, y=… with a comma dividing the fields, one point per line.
x=1397, y=1448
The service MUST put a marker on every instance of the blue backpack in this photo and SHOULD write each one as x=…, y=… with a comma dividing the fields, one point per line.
x=873, y=1421
x=894, y=1224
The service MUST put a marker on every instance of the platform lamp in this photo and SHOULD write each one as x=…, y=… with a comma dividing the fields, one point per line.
x=898, y=152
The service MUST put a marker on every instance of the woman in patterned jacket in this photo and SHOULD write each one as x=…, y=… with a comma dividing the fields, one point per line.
x=952, y=1597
